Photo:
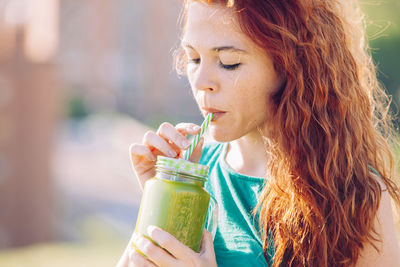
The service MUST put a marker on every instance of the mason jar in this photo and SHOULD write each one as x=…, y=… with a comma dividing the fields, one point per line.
x=175, y=200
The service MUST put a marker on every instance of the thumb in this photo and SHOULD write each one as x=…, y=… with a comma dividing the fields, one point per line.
x=198, y=150
x=207, y=245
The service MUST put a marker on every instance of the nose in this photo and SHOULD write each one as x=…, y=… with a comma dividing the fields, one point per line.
x=204, y=79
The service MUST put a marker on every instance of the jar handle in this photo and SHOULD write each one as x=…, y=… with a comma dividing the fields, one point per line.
x=212, y=216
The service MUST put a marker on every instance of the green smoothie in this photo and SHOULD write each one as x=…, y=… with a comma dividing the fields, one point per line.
x=176, y=201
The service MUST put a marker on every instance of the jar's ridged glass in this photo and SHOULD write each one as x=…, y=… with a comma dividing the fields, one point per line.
x=176, y=201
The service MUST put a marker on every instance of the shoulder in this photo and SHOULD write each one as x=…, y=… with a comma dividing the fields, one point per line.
x=375, y=174
x=388, y=245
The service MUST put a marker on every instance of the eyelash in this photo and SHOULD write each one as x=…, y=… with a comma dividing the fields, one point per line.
x=228, y=67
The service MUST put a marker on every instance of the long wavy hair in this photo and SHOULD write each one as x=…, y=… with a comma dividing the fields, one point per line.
x=333, y=130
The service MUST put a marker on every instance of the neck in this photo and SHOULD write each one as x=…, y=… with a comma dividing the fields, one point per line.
x=247, y=155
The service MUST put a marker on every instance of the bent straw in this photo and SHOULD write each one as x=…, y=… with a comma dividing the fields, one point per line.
x=196, y=139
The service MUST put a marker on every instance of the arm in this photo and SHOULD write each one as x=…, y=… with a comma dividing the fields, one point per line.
x=389, y=250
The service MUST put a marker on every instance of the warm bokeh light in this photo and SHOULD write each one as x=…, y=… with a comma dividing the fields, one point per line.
x=42, y=30
x=16, y=12
x=7, y=40
x=79, y=82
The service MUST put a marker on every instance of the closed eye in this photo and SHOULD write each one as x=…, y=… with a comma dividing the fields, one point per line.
x=229, y=67
x=194, y=60
x=224, y=66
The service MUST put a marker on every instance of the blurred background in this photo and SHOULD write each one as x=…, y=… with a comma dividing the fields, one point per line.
x=79, y=82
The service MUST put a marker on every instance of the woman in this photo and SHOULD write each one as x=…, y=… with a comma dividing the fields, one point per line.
x=302, y=131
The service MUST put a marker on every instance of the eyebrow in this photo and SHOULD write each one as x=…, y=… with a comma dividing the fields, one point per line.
x=219, y=48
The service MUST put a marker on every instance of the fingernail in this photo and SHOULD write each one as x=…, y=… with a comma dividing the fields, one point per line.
x=140, y=242
x=151, y=230
x=185, y=143
x=196, y=128
x=155, y=233
x=172, y=154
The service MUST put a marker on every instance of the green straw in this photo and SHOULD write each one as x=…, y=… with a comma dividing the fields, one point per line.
x=196, y=139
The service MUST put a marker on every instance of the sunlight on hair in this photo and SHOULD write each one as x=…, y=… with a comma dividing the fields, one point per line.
x=230, y=3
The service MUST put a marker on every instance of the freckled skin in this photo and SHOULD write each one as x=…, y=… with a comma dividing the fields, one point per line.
x=243, y=92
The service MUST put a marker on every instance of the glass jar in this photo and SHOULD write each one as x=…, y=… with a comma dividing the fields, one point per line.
x=175, y=200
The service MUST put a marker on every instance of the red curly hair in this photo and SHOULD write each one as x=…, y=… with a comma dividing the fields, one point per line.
x=332, y=131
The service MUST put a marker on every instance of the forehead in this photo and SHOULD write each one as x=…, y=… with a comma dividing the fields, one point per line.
x=210, y=24
x=212, y=12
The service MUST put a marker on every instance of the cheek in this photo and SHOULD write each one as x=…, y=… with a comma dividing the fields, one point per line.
x=257, y=103
x=189, y=76
x=190, y=80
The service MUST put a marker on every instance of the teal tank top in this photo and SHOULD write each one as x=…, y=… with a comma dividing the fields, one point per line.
x=237, y=240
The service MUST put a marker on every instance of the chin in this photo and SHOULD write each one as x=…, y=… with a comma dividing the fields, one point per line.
x=221, y=136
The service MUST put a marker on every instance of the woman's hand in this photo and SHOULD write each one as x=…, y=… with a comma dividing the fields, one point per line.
x=180, y=255
x=168, y=141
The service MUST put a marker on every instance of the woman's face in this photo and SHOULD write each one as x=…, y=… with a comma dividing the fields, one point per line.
x=230, y=76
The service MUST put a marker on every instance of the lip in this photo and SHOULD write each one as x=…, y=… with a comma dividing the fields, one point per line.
x=217, y=113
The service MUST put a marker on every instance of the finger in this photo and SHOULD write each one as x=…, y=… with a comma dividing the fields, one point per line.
x=152, y=139
x=156, y=254
x=207, y=245
x=143, y=162
x=170, y=243
x=136, y=260
x=188, y=128
x=198, y=150
x=139, y=152
x=170, y=133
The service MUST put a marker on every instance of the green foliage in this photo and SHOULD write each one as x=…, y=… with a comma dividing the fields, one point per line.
x=77, y=107
x=386, y=54
x=383, y=30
